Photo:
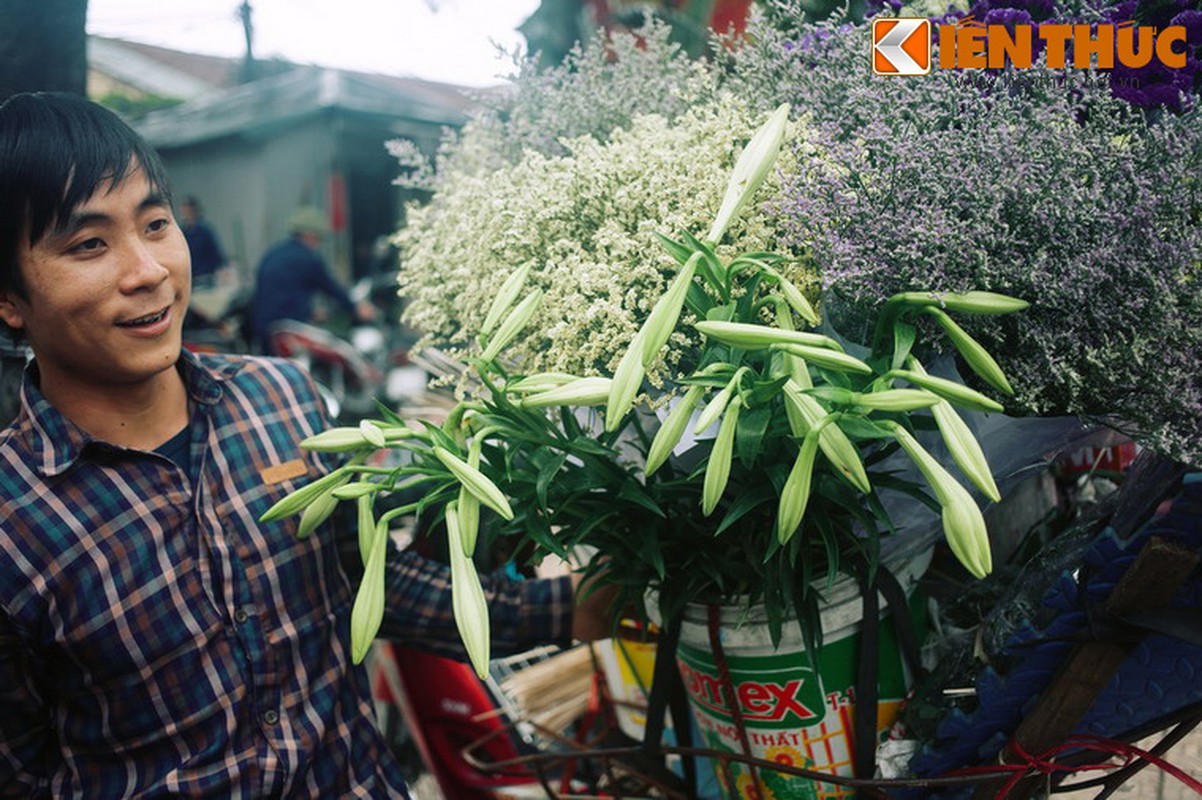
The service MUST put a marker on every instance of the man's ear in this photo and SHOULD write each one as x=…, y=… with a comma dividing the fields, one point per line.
x=10, y=312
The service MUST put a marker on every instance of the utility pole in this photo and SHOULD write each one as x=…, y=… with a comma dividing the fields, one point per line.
x=248, y=30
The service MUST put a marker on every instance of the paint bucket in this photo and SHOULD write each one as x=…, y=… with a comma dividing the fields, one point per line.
x=791, y=714
x=628, y=660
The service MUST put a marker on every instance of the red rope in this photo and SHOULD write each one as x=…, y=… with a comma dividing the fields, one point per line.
x=1045, y=764
x=729, y=694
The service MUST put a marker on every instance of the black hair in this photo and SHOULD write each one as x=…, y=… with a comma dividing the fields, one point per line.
x=56, y=151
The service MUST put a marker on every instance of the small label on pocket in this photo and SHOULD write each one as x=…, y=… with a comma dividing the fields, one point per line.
x=283, y=472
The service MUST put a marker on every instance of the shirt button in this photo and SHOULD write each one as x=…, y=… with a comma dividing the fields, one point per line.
x=241, y=616
x=271, y=717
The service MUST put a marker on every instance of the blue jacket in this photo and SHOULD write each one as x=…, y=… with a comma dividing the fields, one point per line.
x=289, y=275
x=207, y=257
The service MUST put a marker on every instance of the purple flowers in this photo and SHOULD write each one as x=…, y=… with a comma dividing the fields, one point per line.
x=1040, y=185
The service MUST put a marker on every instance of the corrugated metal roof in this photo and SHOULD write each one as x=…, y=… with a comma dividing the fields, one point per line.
x=133, y=68
x=280, y=100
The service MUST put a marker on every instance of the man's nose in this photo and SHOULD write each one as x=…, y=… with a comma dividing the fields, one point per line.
x=143, y=267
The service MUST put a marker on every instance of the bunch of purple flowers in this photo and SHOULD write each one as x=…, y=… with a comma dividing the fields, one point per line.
x=1044, y=187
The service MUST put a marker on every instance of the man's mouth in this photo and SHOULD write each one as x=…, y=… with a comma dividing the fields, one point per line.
x=149, y=319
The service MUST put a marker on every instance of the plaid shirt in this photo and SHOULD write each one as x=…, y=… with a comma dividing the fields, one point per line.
x=157, y=640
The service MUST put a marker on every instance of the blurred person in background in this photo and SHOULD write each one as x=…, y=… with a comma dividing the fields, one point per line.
x=291, y=274
x=208, y=259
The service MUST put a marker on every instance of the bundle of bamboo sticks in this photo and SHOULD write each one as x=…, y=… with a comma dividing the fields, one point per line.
x=552, y=693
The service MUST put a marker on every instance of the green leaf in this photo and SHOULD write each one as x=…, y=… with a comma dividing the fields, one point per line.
x=763, y=391
x=762, y=256
x=537, y=529
x=724, y=313
x=675, y=249
x=632, y=491
x=904, y=335
x=440, y=438
x=571, y=425
x=917, y=491
x=388, y=414
x=862, y=428
x=745, y=504
x=546, y=474
x=698, y=301
x=775, y=619
x=831, y=394
x=831, y=377
x=805, y=607
x=831, y=540
x=749, y=433
x=748, y=301
x=711, y=267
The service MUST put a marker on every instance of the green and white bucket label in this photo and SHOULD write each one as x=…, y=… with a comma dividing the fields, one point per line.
x=792, y=715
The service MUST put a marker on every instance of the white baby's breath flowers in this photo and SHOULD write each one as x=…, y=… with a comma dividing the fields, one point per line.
x=586, y=224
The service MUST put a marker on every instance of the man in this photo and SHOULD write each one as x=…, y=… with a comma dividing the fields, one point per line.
x=291, y=273
x=155, y=639
x=208, y=259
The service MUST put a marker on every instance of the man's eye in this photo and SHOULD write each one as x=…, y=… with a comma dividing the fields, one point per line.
x=159, y=225
x=88, y=246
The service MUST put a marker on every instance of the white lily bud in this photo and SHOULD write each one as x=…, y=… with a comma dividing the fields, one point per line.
x=297, y=501
x=973, y=302
x=964, y=449
x=798, y=370
x=625, y=386
x=672, y=429
x=666, y=312
x=717, y=404
x=368, y=611
x=475, y=482
x=834, y=443
x=749, y=336
x=957, y=393
x=963, y=524
x=335, y=440
x=717, y=471
x=467, y=599
x=508, y=293
x=895, y=399
x=974, y=354
x=469, y=506
x=320, y=509
x=372, y=433
x=580, y=392
x=750, y=170
x=512, y=325
x=963, y=446
x=795, y=494
x=798, y=302
x=831, y=359
x=540, y=382
x=367, y=526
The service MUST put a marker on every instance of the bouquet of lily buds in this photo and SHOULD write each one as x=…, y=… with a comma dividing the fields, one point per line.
x=784, y=491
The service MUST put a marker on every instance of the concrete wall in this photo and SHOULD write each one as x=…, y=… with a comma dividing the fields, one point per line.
x=250, y=185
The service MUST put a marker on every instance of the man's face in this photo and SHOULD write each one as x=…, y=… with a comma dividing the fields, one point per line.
x=312, y=240
x=106, y=295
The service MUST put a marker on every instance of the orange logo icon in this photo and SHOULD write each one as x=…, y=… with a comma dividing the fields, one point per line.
x=901, y=46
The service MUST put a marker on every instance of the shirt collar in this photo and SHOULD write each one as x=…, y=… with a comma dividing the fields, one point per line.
x=56, y=442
